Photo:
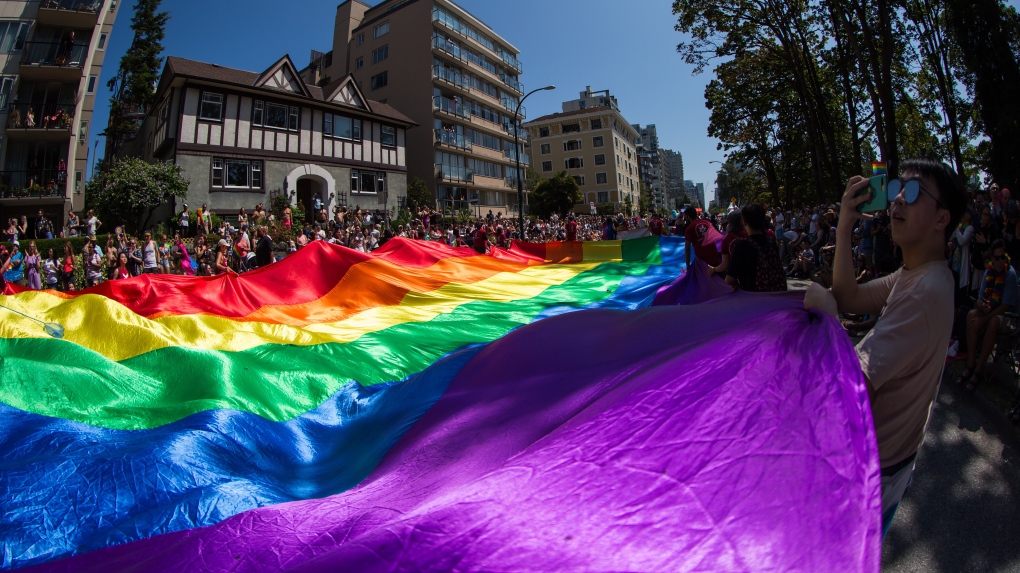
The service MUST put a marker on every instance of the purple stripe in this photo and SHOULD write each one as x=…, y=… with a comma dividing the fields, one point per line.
x=730, y=435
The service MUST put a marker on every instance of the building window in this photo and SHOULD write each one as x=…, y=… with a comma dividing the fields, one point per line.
x=619, y=177
x=543, y=132
x=211, y=107
x=6, y=86
x=574, y=163
x=101, y=45
x=236, y=173
x=546, y=166
x=603, y=196
x=380, y=54
x=572, y=145
x=546, y=149
x=381, y=30
x=379, y=81
x=601, y=179
x=571, y=127
x=596, y=124
x=579, y=179
x=274, y=115
x=361, y=39
x=598, y=141
x=13, y=35
x=389, y=136
x=618, y=163
x=341, y=126
x=600, y=159
x=91, y=89
x=616, y=141
x=367, y=181
x=83, y=131
x=358, y=63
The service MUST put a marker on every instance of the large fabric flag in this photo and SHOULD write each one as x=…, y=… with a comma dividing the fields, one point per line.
x=425, y=408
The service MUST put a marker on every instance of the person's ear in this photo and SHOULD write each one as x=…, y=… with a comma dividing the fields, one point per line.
x=942, y=217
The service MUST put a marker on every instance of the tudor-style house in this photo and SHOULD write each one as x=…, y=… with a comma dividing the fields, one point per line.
x=241, y=136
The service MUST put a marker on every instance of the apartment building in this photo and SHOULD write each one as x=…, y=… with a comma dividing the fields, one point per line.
x=451, y=73
x=51, y=56
x=594, y=145
x=242, y=136
x=674, y=176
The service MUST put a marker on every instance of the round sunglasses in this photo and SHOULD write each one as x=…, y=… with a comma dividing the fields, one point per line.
x=911, y=191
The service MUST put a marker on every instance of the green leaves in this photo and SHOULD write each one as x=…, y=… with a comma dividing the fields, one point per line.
x=128, y=189
x=556, y=195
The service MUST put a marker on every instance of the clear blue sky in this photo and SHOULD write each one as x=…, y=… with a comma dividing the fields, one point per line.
x=633, y=47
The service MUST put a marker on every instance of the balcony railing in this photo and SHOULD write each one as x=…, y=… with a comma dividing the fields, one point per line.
x=74, y=5
x=448, y=75
x=511, y=106
x=452, y=138
x=447, y=45
x=452, y=173
x=510, y=61
x=511, y=182
x=521, y=133
x=511, y=155
x=56, y=54
x=512, y=82
x=40, y=116
x=447, y=105
x=33, y=183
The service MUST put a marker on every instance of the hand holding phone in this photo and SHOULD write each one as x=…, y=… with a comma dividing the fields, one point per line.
x=879, y=201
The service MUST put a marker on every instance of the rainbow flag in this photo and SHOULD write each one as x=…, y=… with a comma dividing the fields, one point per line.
x=878, y=168
x=428, y=408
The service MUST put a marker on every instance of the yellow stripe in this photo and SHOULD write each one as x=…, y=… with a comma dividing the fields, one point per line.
x=603, y=251
x=111, y=329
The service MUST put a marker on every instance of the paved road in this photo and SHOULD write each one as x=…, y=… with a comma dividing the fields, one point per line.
x=962, y=512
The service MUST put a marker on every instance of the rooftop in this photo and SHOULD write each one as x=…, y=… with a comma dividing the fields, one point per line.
x=217, y=73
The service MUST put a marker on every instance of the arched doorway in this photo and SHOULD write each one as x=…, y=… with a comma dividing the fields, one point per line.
x=307, y=190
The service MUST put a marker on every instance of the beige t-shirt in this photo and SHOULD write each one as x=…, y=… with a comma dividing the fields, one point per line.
x=903, y=356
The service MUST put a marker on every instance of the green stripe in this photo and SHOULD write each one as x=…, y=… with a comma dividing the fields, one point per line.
x=278, y=382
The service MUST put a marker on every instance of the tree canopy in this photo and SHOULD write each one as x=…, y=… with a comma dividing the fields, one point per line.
x=558, y=194
x=808, y=93
x=128, y=190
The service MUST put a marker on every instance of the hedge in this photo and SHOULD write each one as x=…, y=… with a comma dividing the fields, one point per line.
x=77, y=244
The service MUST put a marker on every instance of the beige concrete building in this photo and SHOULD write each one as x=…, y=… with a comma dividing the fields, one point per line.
x=451, y=74
x=596, y=146
x=51, y=55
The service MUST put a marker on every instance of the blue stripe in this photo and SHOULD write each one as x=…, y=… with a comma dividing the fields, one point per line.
x=69, y=488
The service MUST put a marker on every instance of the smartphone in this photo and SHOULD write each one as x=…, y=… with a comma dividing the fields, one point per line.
x=879, y=201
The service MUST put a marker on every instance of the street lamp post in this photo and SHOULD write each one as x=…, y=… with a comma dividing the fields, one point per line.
x=517, y=150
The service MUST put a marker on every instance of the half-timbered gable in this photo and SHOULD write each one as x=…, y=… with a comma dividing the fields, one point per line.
x=242, y=135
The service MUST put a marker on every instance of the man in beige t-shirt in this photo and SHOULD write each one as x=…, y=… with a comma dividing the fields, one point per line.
x=903, y=356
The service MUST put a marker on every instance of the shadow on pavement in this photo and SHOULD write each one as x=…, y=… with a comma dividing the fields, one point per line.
x=962, y=512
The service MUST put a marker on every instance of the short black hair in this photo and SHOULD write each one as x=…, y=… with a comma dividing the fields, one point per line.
x=754, y=216
x=996, y=245
x=691, y=212
x=952, y=193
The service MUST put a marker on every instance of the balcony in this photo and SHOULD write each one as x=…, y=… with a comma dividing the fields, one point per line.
x=510, y=155
x=512, y=83
x=69, y=13
x=452, y=139
x=53, y=61
x=510, y=182
x=448, y=46
x=33, y=184
x=511, y=61
x=40, y=122
x=445, y=105
x=511, y=106
x=452, y=173
x=450, y=76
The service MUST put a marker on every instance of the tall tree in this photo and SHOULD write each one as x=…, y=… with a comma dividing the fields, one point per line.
x=128, y=191
x=558, y=194
x=134, y=86
x=987, y=33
